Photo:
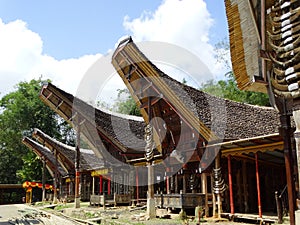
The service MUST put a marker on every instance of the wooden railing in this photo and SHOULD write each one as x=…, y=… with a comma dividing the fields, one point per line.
x=181, y=201
x=114, y=199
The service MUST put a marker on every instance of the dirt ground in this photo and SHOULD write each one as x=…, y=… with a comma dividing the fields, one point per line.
x=125, y=215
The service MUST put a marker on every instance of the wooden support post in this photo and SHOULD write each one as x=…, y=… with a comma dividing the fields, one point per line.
x=219, y=201
x=204, y=191
x=77, y=169
x=230, y=185
x=55, y=183
x=44, y=179
x=151, y=213
x=184, y=182
x=167, y=181
x=100, y=185
x=93, y=186
x=176, y=183
x=279, y=208
x=285, y=132
x=213, y=199
x=258, y=186
x=108, y=185
x=137, y=183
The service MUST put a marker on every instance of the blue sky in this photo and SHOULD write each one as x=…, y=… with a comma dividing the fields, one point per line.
x=53, y=37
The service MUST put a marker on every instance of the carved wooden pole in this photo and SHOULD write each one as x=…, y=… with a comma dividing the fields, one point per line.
x=149, y=157
x=218, y=184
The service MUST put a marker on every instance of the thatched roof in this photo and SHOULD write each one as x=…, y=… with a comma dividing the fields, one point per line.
x=107, y=134
x=207, y=114
x=47, y=155
x=88, y=160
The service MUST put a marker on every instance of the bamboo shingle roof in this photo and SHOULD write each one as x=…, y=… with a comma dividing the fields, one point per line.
x=66, y=153
x=47, y=155
x=208, y=115
x=105, y=139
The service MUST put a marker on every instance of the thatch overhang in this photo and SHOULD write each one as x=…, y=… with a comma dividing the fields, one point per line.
x=66, y=153
x=248, y=23
x=210, y=116
x=45, y=154
x=116, y=142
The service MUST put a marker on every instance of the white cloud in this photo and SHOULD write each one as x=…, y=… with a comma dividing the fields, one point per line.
x=185, y=23
x=22, y=59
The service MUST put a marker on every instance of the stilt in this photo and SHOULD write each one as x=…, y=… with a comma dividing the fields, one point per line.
x=137, y=184
x=108, y=185
x=44, y=179
x=213, y=199
x=258, y=186
x=77, y=169
x=286, y=133
x=204, y=191
x=151, y=213
x=167, y=181
x=100, y=185
x=93, y=186
x=55, y=179
x=296, y=114
x=230, y=185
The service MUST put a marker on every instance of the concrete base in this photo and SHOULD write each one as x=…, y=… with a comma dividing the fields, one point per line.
x=151, y=213
x=297, y=217
x=77, y=203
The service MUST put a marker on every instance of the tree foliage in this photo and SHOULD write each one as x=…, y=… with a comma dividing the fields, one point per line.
x=21, y=112
x=125, y=104
x=228, y=89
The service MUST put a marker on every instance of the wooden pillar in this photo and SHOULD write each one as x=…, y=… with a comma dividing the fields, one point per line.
x=108, y=185
x=204, y=191
x=77, y=169
x=230, y=185
x=100, y=185
x=285, y=132
x=213, y=198
x=137, y=183
x=258, y=186
x=55, y=179
x=184, y=182
x=218, y=165
x=167, y=180
x=93, y=186
x=44, y=179
x=151, y=213
x=176, y=183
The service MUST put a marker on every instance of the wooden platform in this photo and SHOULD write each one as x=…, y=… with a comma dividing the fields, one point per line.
x=251, y=218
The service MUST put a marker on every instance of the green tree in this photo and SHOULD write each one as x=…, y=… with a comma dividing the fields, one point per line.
x=229, y=90
x=21, y=112
x=125, y=104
